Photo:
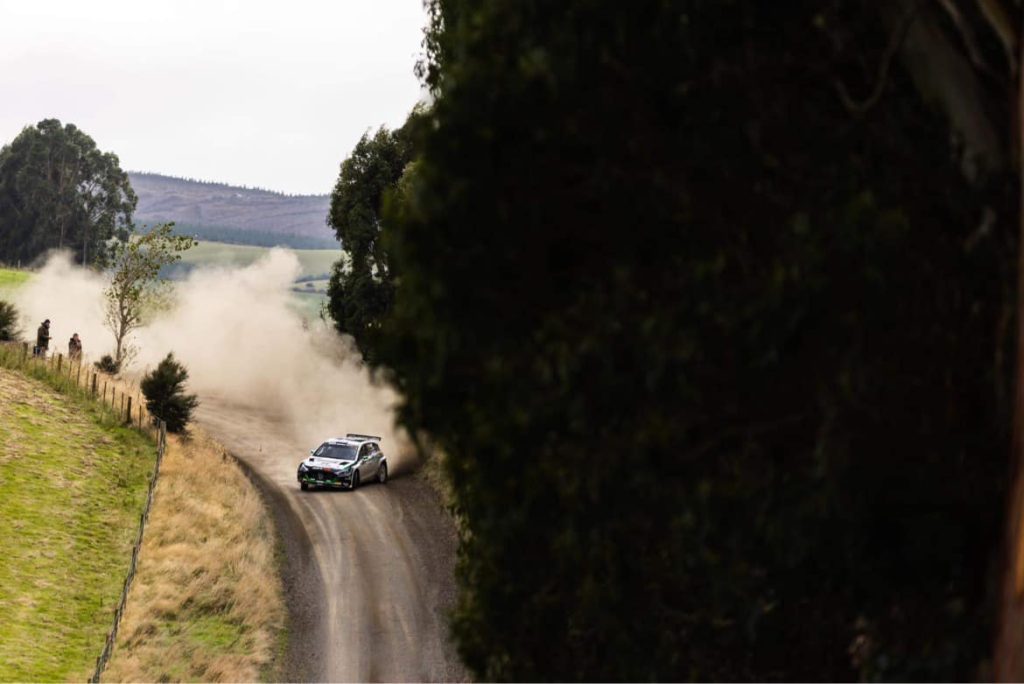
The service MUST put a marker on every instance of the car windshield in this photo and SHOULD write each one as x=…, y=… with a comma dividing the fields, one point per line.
x=342, y=452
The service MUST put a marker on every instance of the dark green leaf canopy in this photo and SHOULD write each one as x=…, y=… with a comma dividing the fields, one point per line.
x=59, y=191
x=719, y=363
x=164, y=389
x=361, y=288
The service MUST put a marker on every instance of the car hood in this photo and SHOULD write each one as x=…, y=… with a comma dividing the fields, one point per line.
x=312, y=461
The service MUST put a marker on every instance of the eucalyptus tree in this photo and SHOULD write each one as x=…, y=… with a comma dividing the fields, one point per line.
x=58, y=190
x=361, y=289
x=710, y=306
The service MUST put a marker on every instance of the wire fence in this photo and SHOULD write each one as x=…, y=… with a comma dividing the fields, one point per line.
x=108, y=646
x=121, y=398
x=122, y=404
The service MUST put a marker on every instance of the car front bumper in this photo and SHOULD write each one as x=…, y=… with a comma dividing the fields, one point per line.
x=324, y=478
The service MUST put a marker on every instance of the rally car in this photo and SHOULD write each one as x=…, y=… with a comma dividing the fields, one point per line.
x=344, y=462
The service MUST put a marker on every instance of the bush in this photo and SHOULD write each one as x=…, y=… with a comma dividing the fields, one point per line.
x=108, y=365
x=165, y=394
x=8, y=322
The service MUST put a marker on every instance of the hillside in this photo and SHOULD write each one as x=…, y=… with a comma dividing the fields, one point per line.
x=226, y=213
x=72, y=486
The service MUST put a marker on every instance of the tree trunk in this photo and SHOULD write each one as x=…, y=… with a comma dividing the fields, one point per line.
x=1009, y=652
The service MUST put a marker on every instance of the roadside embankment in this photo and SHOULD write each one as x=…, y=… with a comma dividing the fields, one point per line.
x=72, y=485
x=206, y=604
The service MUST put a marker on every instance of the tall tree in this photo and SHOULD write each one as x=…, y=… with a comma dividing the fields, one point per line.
x=58, y=190
x=712, y=325
x=135, y=289
x=361, y=288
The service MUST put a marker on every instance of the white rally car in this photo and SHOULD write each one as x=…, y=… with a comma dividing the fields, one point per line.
x=344, y=462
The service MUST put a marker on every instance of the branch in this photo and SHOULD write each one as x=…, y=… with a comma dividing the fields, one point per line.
x=1002, y=23
x=967, y=36
x=895, y=41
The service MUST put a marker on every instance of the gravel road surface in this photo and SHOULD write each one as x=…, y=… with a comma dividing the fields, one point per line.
x=370, y=573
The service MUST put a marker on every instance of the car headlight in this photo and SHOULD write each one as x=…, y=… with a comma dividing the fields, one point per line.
x=302, y=468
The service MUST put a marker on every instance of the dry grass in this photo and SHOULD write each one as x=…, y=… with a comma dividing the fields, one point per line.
x=207, y=602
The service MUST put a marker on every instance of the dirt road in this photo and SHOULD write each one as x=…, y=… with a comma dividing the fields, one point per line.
x=370, y=572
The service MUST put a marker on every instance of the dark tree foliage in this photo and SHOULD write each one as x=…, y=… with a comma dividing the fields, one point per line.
x=164, y=389
x=719, y=364
x=361, y=288
x=57, y=190
x=9, y=322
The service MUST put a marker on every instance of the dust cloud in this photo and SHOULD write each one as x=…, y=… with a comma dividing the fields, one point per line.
x=72, y=298
x=235, y=331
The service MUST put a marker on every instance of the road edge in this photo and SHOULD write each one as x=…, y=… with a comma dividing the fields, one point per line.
x=302, y=582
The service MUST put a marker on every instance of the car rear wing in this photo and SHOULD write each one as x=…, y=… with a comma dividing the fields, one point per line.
x=355, y=435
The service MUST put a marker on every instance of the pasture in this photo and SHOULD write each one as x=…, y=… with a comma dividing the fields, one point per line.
x=312, y=261
x=71, y=489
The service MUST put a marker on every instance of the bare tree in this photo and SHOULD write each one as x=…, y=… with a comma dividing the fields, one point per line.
x=135, y=288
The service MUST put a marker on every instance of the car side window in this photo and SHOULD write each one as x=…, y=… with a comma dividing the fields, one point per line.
x=373, y=449
x=364, y=451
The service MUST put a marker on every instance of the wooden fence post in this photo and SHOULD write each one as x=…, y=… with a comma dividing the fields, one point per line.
x=60, y=361
x=128, y=416
x=93, y=384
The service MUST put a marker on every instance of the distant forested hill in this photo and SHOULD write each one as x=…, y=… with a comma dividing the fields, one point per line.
x=226, y=213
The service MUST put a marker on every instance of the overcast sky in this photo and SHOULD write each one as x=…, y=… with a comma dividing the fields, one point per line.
x=259, y=93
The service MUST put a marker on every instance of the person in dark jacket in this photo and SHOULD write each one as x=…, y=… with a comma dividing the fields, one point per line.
x=75, y=348
x=43, y=338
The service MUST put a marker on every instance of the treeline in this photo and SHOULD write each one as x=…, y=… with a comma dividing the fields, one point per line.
x=257, y=238
x=220, y=185
x=710, y=306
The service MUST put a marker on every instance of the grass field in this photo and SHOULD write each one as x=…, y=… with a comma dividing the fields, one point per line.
x=11, y=278
x=307, y=305
x=313, y=261
x=71, y=491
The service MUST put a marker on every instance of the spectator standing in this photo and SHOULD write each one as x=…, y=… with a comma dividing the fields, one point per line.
x=75, y=348
x=43, y=338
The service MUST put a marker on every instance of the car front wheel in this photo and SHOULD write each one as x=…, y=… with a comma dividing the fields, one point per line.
x=304, y=486
x=382, y=473
x=354, y=482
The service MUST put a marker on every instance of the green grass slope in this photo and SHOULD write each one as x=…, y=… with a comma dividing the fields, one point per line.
x=71, y=491
x=10, y=279
x=312, y=261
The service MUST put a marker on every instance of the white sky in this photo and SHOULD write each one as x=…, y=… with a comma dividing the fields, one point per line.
x=259, y=93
